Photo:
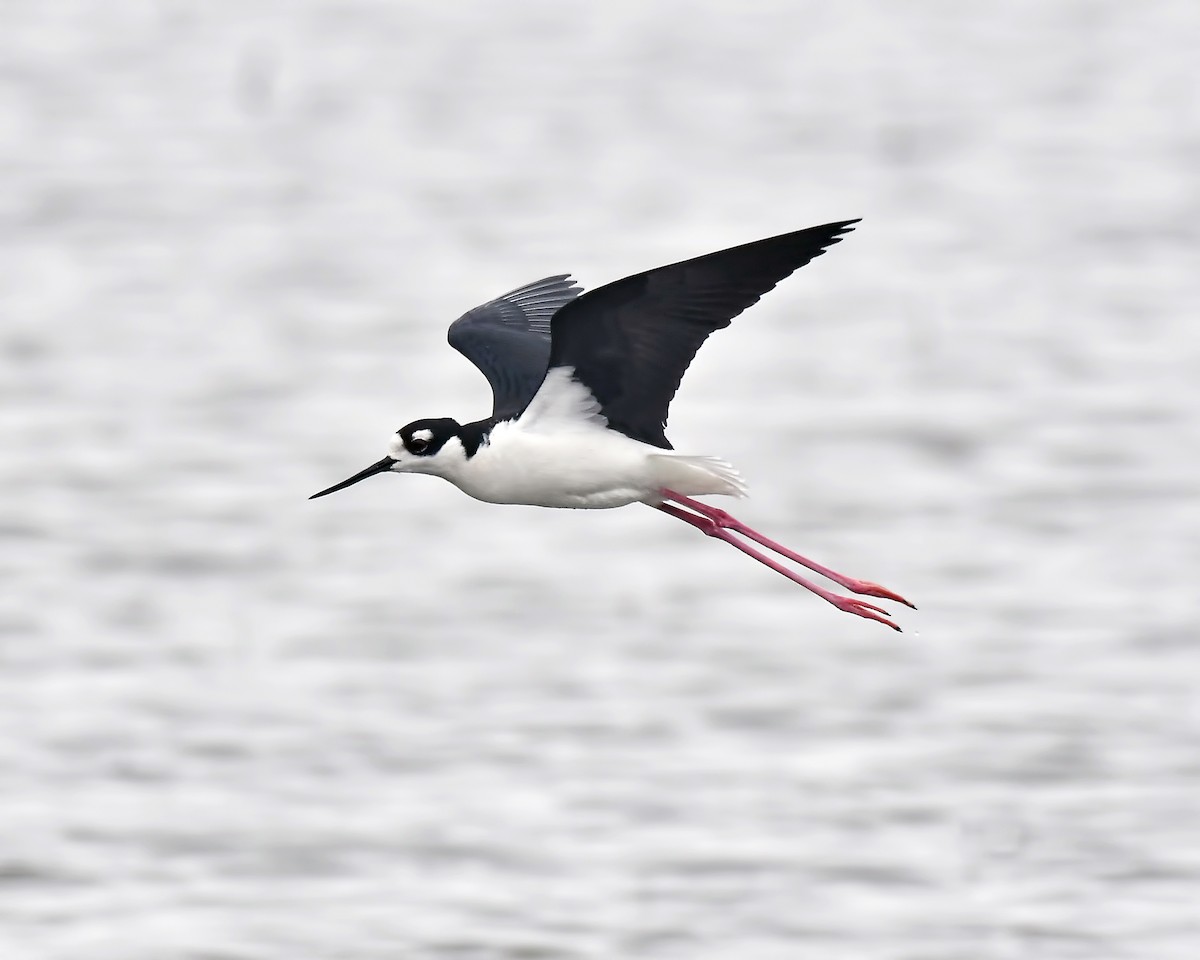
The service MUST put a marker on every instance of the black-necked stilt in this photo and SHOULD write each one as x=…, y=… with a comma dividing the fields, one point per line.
x=581, y=386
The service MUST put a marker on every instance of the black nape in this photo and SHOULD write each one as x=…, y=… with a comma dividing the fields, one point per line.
x=475, y=435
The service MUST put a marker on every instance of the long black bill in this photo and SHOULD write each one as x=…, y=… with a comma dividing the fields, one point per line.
x=381, y=467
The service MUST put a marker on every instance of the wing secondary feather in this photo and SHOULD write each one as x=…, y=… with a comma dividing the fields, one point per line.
x=508, y=339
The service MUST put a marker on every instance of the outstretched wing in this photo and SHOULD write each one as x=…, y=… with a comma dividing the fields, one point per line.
x=508, y=339
x=629, y=342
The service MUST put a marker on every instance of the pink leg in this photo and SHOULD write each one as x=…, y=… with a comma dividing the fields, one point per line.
x=713, y=528
x=723, y=519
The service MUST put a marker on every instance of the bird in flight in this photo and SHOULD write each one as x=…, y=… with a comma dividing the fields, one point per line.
x=581, y=384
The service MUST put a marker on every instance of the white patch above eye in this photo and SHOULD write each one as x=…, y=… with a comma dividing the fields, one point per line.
x=416, y=445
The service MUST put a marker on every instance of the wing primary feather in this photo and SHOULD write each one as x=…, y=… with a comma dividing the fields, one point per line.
x=631, y=341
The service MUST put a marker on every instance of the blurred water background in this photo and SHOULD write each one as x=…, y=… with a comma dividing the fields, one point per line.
x=399, y=723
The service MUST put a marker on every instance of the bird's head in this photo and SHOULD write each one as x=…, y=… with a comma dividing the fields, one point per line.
x=423, y=446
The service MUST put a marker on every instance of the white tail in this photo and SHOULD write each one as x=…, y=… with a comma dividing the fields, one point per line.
x=696, y=476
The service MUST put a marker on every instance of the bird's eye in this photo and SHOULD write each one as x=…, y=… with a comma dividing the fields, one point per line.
x=417, y=445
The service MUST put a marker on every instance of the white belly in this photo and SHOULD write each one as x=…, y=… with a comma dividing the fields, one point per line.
x=592, y=468
x=584, y=470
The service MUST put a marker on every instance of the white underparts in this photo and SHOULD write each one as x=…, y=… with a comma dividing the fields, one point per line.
x=560, y=453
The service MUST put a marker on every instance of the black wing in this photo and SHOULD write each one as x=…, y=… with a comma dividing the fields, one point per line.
x=631, y=341
x=508, y=339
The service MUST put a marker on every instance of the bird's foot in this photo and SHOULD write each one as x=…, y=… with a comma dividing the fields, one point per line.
x=868, y=589
x=861, y=608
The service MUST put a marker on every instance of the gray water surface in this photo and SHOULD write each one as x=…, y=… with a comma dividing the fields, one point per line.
x=397, y=723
